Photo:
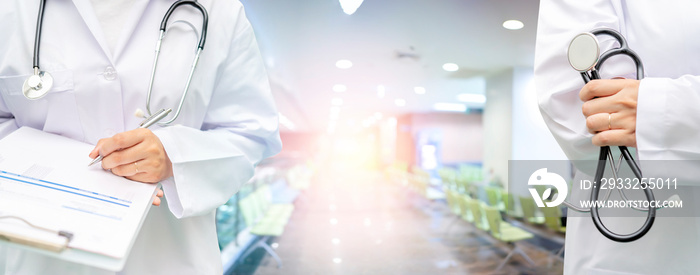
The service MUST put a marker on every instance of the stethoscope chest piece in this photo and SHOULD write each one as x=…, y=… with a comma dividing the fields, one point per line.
x=583, y=52
x=37, y=85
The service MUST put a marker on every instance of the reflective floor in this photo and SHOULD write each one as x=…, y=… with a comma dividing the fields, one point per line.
x=355, y=221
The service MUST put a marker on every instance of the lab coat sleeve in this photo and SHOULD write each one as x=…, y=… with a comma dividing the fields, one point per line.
x=667, y=118
x=239, y=130
x=557, y=83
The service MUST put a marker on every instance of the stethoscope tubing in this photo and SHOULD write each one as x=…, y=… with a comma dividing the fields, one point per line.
x=605, y=150
x=37, y=35
x=163, y=27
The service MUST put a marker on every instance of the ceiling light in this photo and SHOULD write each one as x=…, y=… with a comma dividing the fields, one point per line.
x=450, y=107
x=472, y=98
x=513, y=24
x=337, y=260
x=381, y=91
x=350, y=6
x=337, y=101
x=400, y=102
x=419, y=90
x=393, y=121
x=343, y=64
x=339, y=88
x=450, y=67
x=378, y=115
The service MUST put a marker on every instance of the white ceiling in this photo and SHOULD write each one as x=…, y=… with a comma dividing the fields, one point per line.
x=399, y=44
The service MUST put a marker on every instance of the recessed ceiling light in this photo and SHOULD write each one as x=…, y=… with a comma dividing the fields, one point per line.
x=513, y=24
x=381, y=91
x=419, y=90
x=400, y=102
x=450, y=67
x=343, y=64
x=473, y=98
x=339, y=88
x=350, y=6
x=450, y=107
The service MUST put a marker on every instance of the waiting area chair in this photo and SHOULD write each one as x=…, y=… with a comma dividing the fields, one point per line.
x=265, y=219
x=506, y=233
x=529, y=208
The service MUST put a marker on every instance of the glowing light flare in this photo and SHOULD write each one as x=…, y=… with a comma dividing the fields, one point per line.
x=350, y=6
x=450, y=67
x=343, y=64
x=513, y=24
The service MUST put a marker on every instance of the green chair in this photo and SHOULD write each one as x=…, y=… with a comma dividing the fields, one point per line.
x=464, y=208
x=530, y=210
x=479, y=219
x=506, y=233
x=552, y=219
x=493, y=194
x=510, y=206
x=262, y=226
x=453, y=201
x=279, y=210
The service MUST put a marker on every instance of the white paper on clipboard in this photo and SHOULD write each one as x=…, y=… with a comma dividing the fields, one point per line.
x=44, y=179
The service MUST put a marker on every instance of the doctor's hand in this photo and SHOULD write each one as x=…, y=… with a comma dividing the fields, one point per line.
x=136, y=155
x=610, y=107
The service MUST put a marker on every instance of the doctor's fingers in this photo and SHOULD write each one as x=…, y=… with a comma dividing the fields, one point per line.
x=147, y=170
x=605, y=87
x=620, y=137
x=621, y=102
x=610, y=121
x=126, y=156
x=120, y=141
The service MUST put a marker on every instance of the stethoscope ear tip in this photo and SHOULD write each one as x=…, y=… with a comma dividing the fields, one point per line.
x=139, y=113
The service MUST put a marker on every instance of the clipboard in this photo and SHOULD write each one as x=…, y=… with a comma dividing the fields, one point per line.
x=51, y=203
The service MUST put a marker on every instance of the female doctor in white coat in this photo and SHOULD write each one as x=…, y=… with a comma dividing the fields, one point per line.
x=658, y=115
x=228, y=123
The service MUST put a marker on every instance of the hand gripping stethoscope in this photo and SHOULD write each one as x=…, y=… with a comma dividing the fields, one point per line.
x=39, y=84
x=584, y=56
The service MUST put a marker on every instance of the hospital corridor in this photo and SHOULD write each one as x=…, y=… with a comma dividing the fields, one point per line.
x=356, y=220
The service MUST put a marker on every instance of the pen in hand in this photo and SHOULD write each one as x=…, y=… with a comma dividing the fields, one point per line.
x=159, y=115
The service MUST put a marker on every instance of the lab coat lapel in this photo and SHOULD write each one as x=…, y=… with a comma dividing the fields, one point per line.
x=137, y=11
x=87, y=12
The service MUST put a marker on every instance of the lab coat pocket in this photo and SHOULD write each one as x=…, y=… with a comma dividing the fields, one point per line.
x=57, y=112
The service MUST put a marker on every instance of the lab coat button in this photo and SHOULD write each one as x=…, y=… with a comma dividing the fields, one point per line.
x=110, y=73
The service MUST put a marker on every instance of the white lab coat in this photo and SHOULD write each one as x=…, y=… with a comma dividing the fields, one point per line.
x=668, y=120
x=227, y=125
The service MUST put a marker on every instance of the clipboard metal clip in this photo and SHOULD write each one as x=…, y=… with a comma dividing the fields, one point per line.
x=37, y=242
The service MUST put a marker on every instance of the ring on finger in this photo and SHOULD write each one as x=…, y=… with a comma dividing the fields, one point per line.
x=137, y=167
x=609, y=121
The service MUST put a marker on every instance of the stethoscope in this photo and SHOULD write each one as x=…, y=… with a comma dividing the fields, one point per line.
x=39, y=84
x=584, y=57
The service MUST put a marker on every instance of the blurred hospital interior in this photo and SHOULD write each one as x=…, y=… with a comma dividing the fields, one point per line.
x=398, y=120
